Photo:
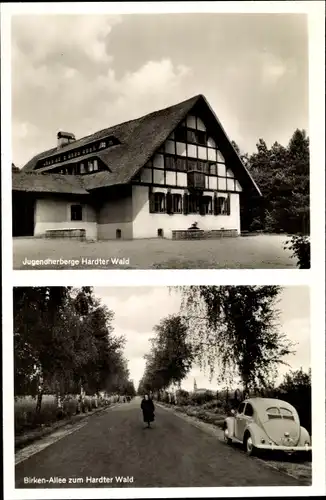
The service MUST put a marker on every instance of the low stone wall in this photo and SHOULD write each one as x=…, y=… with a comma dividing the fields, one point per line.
x=199, y=234
x=79, y=234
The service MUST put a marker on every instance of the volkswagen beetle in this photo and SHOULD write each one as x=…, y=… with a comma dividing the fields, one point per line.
x=267, y=424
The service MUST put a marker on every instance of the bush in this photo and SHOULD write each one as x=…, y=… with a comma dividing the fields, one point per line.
x=300, y=247
x=201, y=398
x=25, y=415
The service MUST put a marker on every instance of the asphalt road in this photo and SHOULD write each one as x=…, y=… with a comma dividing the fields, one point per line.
x=173, y=453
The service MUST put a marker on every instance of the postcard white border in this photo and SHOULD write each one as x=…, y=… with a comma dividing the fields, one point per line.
x=314, y=277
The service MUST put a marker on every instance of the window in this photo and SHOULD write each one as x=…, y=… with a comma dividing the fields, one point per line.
x=118, y=234
x=207, y=205
x=90, y=166
x=249, y=411
x=176, y=203
x=241, y=408
x=286, y=413
x=82, y=168
x=191, y=165
x=203, y=166
x=159, y=202
x=160, y=233
x=223, y=205
x=196, y=180
x=213, y=168
x=273, y=413
x=181, y=164
x=95, y=165
x=193, y=204
x=181, y=134
x=76, y=212
x=170, y=163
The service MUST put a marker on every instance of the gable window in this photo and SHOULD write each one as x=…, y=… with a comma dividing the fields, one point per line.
x=170, y=163
x=212, y=168
x=176, y=204
x=76, y=212
x=181, y=164
x=181, y=134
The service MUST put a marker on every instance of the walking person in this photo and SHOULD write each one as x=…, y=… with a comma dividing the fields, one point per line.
x=148, y=409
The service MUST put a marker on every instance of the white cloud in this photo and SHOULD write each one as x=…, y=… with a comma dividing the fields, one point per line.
x=68, y=82
x=44, y=36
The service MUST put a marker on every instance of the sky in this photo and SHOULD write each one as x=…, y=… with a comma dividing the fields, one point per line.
x=83, y=73
x=138, y=309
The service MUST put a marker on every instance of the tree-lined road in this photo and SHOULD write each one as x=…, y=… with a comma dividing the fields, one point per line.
x=174, y=453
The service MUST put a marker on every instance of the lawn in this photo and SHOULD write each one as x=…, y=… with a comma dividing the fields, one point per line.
x=250, y=252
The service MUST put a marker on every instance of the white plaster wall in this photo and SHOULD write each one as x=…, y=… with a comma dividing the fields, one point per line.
x=108, y=231
x=55, y=214
x=145, y=224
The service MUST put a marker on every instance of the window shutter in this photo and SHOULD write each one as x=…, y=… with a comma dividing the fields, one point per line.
x=185, y=204
x=201, y=206
x=151, y=202
x=228, y=205
x=169, y=203
x=215, y=202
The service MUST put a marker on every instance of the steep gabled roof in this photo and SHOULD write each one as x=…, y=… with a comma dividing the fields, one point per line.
x=129, y=133
x=48, y=183
x=140, y=138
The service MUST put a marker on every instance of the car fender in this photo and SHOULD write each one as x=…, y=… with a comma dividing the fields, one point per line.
x=256, y=432
x=304, y=437
x=229, y=423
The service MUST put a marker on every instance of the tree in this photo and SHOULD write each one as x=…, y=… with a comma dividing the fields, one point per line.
x=282, y=174
x=235, y=329
x=299, y=245
x=296, y=389
x=170, y=356
x=64, y=342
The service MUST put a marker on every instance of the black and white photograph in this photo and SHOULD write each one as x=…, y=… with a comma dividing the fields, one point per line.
x=170, y=158
x=145, y=387
x=160, y=141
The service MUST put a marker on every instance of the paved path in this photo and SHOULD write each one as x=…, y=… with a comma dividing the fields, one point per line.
x=173, y=453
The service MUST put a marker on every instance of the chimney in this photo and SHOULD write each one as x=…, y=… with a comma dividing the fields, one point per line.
x=64, y=138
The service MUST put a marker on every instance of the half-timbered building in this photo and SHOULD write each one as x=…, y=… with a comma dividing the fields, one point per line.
x=155, y=176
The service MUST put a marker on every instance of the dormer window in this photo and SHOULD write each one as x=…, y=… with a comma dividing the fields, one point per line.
x=102, y=145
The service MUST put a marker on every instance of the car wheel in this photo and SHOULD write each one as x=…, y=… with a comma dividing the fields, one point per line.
x=249, y=447
x=226, y=437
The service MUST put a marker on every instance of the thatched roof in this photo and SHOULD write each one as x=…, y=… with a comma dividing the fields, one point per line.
x=140, y=138
x=48, y=183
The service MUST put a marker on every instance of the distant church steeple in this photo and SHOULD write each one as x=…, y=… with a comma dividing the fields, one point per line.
x=195, y=385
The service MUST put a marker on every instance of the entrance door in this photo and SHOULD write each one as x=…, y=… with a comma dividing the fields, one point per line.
x=23, y=205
